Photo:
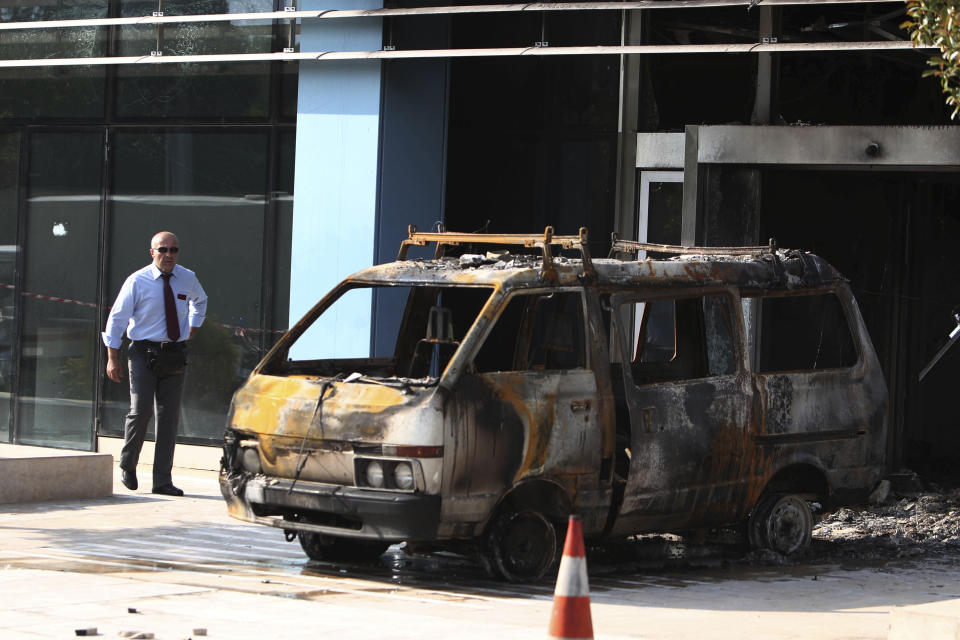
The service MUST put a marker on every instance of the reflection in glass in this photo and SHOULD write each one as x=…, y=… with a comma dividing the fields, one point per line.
x=56, y=381
x=58, y=92
x=9, y=180
x=194, y=186
x=282, y=199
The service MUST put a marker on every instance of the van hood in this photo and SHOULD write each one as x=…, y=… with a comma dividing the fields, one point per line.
x=356, y=411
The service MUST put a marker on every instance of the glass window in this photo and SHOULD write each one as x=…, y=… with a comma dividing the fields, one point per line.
x=9, y=194
x=682, y=338
x=209, y=188
x=804, y=333
x=721, y=350
x=52, y=92
x=541, y=331
x=60, y=333
x=657, y=340
x=198, y=91
x=417, y=342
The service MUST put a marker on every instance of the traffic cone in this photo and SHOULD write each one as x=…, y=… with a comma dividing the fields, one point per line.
x=570, y=619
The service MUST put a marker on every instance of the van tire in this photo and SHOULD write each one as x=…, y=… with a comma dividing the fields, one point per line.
x=521, y=546
x=328, y=548
x=781, y=523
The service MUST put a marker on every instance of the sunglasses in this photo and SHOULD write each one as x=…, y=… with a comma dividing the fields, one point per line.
x=165, y=249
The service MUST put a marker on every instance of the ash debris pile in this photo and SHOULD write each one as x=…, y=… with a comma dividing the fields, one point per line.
x=905, y=524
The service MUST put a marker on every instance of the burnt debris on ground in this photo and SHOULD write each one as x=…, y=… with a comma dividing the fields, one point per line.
x=913, y=519
x=906, y=524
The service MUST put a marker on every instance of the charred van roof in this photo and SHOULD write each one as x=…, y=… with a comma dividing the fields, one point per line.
x=748, y=268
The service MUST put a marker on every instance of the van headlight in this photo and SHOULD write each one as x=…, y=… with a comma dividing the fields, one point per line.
x=250, y=459
x=386, y=473
x=403, y=476
x=375, y=474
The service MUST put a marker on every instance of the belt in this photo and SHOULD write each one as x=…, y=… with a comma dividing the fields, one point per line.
x=173, y=346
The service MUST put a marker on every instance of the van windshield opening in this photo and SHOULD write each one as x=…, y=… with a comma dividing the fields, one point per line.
x=383, y=332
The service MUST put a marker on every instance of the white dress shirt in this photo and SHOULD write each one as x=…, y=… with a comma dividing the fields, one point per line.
x=139, y=309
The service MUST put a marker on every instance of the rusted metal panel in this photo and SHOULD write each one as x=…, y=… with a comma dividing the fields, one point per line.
x=601, y=435
x=693, y=461
x=292, y=426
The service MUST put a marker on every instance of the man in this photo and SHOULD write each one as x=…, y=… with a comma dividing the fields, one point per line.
x=160, y=307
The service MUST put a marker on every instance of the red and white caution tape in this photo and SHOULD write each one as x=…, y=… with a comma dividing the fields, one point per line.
x=237, y=330
x=37, y=296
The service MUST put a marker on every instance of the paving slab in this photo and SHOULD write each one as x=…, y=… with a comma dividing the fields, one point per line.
x=183, y=564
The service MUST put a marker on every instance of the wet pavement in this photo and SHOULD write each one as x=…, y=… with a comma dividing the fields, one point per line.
x=137, y=563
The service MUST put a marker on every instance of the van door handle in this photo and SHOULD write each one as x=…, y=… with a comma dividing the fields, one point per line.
x=579, y=405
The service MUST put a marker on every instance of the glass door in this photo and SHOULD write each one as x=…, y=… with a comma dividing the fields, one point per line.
x=55, y=404
x=9, y=197
x=209, y=187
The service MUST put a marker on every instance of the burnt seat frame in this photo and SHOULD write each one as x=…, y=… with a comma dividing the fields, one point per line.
x=618, y=246
x=544, y=242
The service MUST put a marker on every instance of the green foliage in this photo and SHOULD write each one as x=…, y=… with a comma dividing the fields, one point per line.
x=75, y=373
x=211, y=374
x=936, y=23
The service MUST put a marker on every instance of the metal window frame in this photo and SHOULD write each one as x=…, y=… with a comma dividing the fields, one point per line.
x=626, y=5
x=321, y=56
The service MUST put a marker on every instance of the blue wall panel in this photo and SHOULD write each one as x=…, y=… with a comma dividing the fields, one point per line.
x=338, y=128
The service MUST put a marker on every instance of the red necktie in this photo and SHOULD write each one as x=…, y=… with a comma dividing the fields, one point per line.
x=170, y=307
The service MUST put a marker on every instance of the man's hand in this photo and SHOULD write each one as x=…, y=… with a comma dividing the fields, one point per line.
x=114, y=367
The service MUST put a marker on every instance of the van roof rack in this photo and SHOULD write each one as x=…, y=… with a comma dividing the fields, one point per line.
x=632, y=246
x=544, y=242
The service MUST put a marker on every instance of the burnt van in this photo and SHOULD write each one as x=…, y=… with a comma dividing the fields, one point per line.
x=661, y=389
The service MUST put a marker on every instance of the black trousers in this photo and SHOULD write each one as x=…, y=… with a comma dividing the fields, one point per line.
x=151, y=394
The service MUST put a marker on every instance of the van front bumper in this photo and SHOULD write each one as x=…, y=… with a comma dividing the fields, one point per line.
x=333, y=510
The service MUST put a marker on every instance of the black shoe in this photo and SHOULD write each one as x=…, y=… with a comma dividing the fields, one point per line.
x=168, y=490
x=129, y=479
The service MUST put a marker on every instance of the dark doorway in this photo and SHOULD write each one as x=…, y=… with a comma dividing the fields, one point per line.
x=893, y=234
x=533, y=140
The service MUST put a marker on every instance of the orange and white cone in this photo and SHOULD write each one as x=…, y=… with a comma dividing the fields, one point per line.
x=570, y=619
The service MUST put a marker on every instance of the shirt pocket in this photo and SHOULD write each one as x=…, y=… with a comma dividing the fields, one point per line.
x=182, y=304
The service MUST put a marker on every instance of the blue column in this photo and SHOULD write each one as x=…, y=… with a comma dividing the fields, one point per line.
x=412, y=157
x=335, y=180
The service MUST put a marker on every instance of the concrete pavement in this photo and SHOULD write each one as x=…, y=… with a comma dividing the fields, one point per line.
x=139, y=563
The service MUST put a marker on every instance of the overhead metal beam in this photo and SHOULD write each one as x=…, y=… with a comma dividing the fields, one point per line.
x=876, y=147
x=778, y=47
x=420, y=11
x=873, y=146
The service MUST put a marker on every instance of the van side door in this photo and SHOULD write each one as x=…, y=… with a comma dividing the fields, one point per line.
x=528, y=409
x=687, y=388
x=821, y=390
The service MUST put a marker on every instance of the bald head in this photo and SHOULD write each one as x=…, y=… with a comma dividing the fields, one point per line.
x=165, y=249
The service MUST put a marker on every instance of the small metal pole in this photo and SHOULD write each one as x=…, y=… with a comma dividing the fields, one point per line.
x=158, y=51
x=953, y=337
x=543, y=42
x=291, y=28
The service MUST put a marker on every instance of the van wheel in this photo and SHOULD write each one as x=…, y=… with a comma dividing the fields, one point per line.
x=521, y=546
x=320, y=547
x=783, y=523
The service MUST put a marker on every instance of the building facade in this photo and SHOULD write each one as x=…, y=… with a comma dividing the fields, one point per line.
x=293, y=145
